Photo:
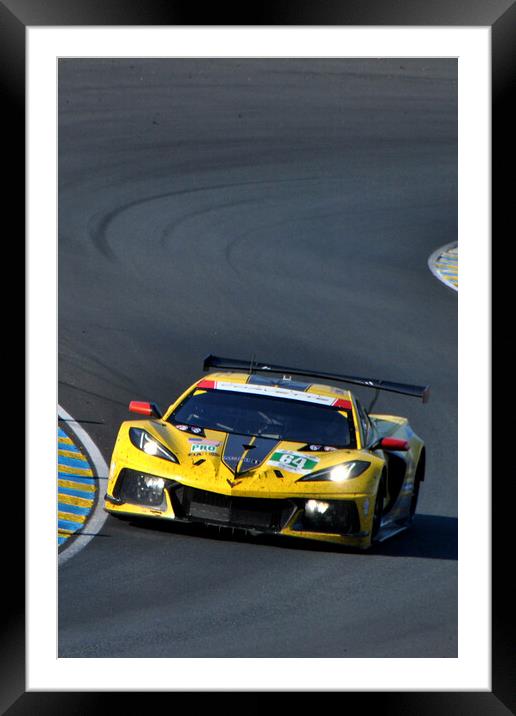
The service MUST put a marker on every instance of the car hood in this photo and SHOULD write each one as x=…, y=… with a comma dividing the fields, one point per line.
x=243, y=464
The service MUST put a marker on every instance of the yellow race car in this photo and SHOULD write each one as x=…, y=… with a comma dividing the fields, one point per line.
x=246, y=449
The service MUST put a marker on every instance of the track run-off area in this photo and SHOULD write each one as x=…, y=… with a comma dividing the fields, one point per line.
x=284, y=209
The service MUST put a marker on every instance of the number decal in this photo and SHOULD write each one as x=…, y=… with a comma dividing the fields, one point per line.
x=293, y=461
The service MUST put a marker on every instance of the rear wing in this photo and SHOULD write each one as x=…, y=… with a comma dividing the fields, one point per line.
x=252, y=366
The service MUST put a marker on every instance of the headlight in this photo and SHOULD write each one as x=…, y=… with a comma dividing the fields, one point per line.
x=316, y=507
x=143, y=441
x=335, y=516
x=153, y=483
x=339, y=473
x=141, y=488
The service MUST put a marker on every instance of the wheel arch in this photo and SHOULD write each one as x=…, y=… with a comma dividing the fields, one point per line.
x=421, y=464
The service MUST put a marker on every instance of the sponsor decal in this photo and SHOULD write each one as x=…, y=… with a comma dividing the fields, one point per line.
x=293, y=461
x=275, y=391
x=245, y=460
x=204, y=441
x=317, y=448
x=198, y=445
x=190, y=429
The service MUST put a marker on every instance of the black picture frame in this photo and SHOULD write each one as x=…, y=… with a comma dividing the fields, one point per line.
x=500, y=16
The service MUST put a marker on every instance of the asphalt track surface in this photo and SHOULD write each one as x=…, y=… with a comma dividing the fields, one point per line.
x=281, y=208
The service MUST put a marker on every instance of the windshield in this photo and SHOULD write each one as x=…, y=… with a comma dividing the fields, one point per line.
x=264, y=416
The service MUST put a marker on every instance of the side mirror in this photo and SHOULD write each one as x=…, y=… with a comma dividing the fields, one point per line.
x=143, y=408
x=393, y=444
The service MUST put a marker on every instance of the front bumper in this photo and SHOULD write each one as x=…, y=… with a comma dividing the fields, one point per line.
x=345, y=520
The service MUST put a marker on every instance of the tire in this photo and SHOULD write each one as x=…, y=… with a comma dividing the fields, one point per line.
x=420, y=472
x=378, y=509
x=415, y=495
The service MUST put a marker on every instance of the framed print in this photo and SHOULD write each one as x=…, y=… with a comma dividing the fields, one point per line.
x=295, y=187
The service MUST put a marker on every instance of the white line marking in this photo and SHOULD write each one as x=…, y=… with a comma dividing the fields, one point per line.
x=97, y=516
x=432, y=265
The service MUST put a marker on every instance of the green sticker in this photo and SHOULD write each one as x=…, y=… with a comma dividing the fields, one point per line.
x=293, y=461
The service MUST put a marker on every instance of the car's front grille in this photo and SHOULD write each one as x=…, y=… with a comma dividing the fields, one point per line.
x=247, y=512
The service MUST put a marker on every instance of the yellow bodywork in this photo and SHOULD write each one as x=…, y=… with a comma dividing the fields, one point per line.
x=212, y=474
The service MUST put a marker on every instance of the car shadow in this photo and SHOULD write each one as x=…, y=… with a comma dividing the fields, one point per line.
x=429, y=537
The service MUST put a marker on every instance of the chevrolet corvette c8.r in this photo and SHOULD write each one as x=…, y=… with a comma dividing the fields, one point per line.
x=246, y=449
